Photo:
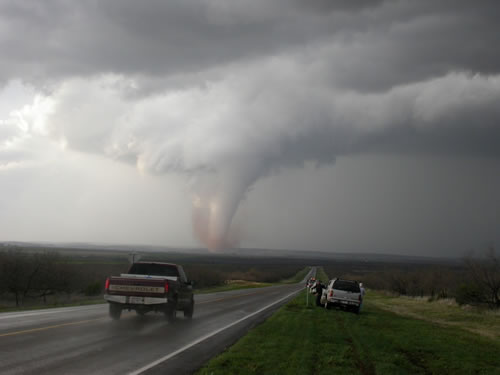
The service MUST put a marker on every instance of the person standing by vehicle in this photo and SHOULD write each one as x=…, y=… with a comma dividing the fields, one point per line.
x=319, y=292
x=362, y=290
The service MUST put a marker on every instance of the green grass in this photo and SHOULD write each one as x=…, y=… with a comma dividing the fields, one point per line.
x=444, y=312
x=312, y=340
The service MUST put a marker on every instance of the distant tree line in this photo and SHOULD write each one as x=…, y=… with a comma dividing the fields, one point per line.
x=474, y=281
x=207, y=275
x=41, y=276
x=483, y=282
x=29, y=277
x=35, y=275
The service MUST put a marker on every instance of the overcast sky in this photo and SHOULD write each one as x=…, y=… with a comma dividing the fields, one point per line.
x=344, y=126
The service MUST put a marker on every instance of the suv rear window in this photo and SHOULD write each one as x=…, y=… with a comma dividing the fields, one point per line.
x=153, y=269
x=346, y=285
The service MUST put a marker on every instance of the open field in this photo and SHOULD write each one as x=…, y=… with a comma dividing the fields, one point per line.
x=443, y=312
x=310, y=340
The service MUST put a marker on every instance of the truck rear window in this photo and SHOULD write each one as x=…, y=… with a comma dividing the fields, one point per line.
x=346, y=285
x=153, y=269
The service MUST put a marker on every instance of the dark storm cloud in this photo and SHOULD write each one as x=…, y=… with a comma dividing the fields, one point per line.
x=422, y=41
x=152, y=38
x=387, y=68
x=377, y=44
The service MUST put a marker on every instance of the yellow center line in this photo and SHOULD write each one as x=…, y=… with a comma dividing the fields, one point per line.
x=50, y=327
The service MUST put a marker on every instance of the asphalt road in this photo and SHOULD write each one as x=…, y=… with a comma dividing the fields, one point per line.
x=84, y=340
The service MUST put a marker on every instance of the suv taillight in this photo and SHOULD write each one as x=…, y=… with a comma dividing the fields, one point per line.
x=106, y=285
x=166, y=286
x=331, y=293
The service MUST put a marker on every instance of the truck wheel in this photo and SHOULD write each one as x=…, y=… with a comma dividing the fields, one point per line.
x=171, y=312
x=188, y=313
x=115, y=311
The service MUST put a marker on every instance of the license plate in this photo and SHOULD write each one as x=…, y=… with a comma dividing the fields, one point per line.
x=136, y=300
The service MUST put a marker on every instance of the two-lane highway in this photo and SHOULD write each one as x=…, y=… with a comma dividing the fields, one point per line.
x=83, y=340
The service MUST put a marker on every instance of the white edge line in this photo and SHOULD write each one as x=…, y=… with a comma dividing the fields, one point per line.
x=207, y=336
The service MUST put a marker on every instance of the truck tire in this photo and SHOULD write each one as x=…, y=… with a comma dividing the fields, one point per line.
x=171, y=312
x=188, y=313
x=115, y=311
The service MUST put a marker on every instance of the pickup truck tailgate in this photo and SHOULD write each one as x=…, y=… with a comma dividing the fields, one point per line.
x=137, y=287
x=345, y=296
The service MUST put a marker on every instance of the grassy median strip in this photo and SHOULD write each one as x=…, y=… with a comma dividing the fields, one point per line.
x=244, y=284
x=299, y=276
x=321, y=275
x=311, y=340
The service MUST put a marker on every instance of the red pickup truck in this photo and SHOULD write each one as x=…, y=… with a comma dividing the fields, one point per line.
x=150, y=286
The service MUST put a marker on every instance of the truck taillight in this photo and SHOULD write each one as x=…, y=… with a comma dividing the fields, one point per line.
x=106, y=285
x=331, y=293
x=166, y=286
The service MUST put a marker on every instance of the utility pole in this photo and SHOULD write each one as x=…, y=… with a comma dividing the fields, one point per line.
x=132, y=257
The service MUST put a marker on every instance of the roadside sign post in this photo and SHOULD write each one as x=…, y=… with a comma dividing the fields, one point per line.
x=132, y=257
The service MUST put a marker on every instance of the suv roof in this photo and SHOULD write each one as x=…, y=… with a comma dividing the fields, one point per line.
x=346, y=285
x=349, y=281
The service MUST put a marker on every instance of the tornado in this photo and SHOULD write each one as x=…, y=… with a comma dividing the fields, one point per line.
x=215, y=201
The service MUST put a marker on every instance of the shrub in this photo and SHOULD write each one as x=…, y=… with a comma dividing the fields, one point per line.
x=469, y=294
x=93, y=289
